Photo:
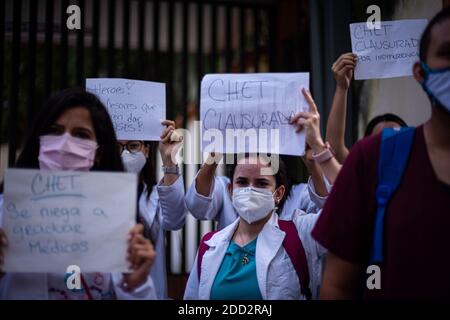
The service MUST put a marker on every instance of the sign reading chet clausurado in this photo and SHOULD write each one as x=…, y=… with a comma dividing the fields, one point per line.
x=54, y=219
x=387, y=52
x=251, y=112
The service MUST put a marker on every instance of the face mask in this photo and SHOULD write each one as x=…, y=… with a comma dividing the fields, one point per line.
x=65, y=152
x=253, y=204
x=133, y=162
x=437, y=85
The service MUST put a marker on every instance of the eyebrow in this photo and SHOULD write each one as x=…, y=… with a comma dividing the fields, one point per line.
x=59, y=126
x=84, y=129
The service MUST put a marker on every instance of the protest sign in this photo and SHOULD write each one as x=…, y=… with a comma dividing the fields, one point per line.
x=136, y=107
x=54, y=219
x=251, y=112
x=387, y=52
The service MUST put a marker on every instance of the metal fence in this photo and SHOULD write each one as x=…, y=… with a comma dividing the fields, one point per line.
x=175, y=42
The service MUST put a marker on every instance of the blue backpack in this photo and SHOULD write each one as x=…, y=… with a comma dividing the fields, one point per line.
x=394, y=155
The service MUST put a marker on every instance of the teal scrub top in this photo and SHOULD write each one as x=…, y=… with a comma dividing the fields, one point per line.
x=236, y=278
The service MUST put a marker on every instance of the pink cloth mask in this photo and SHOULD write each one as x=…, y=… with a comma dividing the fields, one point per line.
x=64, y=152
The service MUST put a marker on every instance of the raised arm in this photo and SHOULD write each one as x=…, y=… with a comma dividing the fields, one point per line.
x=171, y=187
x=204, y=198
x=205, y=176
x=310, y=122
x=335, y=134
x=315, y=172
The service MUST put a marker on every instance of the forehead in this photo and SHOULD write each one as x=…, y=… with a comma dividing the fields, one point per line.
x=384, y=124
x=440, y=36
x=77, y=115
x=251, y=168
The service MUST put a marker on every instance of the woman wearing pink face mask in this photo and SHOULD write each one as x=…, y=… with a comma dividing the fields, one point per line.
x=74, y=132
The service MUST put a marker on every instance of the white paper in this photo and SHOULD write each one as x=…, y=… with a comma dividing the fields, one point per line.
x=136, y=107
x=54, y=219
x=255, y=107
x=387, y=52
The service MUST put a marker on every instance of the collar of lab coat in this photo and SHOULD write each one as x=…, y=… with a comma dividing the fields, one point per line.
x=270, y=239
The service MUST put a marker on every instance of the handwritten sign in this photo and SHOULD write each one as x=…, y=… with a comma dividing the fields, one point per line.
x=54, y=219
x=136, y=107
x=387, y=52
x=251, y=112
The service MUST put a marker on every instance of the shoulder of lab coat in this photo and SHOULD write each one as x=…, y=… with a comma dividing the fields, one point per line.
x=318, y=201
x=171, y=201
x=315, y=253
x=200, y=288
x=144, y=292
x=277, y=278
x=191, y=290
x=298, y=198
x=207, y=208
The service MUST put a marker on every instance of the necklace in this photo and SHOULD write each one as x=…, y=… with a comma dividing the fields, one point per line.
x=245, y=258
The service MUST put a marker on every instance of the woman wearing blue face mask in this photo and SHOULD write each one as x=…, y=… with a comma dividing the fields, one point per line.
x=74, y=132
x=161, y=204
x=413, y=227
x=259, y=256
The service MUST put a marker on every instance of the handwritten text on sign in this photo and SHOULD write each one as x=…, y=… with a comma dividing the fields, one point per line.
x=56, y=219
x=251, y=112
x=136, y=107
x=387, y=52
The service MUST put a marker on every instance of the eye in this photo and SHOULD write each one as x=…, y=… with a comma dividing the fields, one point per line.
x=134, y=146
x=82, y=134
x=56, y=131
x=241, y=182
x=262, y=184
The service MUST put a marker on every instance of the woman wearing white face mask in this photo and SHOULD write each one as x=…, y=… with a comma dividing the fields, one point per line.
x=249, y=259
x=74, y=132
x=259, y=256
x=161, y=205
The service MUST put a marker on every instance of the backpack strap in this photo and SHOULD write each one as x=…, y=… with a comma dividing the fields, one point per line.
x=296, y=252
x=394, y=154
x=203, y=247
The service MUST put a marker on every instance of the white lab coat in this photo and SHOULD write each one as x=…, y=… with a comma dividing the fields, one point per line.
x=277, y=278
x=218, y=206
x=49, y=286
x=168, y=203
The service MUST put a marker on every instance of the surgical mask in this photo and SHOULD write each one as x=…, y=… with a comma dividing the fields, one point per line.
x=437, y=85
x=65, y=152
x=133, y=162
x=253, y=204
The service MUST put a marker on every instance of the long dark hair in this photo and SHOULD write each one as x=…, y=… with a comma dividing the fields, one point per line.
x=281, y=178
x=387, y=117
x=107, y=153
x=148, y=172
